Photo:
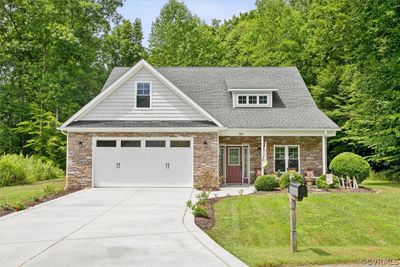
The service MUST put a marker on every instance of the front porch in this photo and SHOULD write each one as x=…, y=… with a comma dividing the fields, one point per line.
x=242, y=158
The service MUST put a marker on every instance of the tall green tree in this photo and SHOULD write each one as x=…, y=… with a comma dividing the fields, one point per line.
x=49, y=55
x=179, y=38
x=268, y=36
x=123, y=46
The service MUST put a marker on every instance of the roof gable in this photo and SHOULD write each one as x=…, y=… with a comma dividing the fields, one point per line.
x=97, y=108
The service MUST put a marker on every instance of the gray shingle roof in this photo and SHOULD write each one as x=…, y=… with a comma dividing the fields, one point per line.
x=293, y=106
x=145, y=124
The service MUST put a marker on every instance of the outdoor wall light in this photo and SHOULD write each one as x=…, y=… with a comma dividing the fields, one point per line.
x=259, y=150
x=80, y=144
x=205, y=143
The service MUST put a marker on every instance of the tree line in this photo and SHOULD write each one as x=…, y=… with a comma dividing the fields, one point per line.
x=56, y=54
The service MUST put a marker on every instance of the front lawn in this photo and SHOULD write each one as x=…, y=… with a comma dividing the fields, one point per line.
x=331, y=227
x=20, y=196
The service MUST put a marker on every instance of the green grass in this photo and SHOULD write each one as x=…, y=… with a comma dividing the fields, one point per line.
x=331, y=227
x=26, y=193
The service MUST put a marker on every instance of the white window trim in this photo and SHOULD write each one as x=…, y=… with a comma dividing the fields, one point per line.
x=150, y=92
x=237, y=104
x=229, y=153
x=287, y=156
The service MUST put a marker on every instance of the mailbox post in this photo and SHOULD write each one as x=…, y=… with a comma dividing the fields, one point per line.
x=296, y=192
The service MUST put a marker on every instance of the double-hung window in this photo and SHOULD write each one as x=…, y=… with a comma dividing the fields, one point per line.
x=286, y=157
x=143, y=95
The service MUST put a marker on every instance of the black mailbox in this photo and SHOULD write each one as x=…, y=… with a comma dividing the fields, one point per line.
x=297, y=190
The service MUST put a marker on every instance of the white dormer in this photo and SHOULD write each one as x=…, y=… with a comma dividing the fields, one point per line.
x=247, y=98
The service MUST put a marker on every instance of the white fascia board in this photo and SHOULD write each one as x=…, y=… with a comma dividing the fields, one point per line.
x=278, y=132
x=252, y=90
x=149, y=129
x=142, y=63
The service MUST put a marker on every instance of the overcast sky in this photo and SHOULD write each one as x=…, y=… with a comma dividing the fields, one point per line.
x=148, y=10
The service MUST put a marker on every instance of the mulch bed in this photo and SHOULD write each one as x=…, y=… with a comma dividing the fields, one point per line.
x=208, y=223
x=42, y=200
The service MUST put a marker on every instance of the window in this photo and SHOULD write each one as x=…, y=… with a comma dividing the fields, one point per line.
x=242, y=99
x=143, y=92
x=286, y=157
x=263, y=99
x=293, y=157
x=252, y=99
x=180, y=144
x=130, y=143
x=155, y=143
x=106, y=143
x=246, y=162
x=233, y=156
x=280, y=164
x=221, y=161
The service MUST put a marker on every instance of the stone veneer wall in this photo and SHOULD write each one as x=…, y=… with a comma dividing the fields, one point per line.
x=79, y=168
x=310, y=151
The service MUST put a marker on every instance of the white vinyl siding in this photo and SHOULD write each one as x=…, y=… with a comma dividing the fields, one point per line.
x=165, y=104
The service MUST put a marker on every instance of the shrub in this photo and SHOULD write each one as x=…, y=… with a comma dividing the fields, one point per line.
x=49, y=189
x=12, y=171
x=285, y=179
x=350, y=164
x=17, y=169
x=19, y=206
x=321, y=182
x=266, y=183
x=199, y=209
x=207, y=180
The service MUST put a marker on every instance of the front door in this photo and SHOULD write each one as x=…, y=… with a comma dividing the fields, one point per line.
x=234, y=165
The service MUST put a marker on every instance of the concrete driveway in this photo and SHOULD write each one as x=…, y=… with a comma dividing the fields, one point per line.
x=110, y=227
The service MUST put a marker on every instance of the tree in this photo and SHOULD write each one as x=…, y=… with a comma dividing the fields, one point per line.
x=49, y=55
x=123, y=47
x=179, y=38
x=43, y=138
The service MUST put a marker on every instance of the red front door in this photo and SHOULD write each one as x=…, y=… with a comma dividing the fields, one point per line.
x=234, y=165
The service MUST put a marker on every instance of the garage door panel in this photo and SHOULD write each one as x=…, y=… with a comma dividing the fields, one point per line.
x=180, y=166
x=141, y=163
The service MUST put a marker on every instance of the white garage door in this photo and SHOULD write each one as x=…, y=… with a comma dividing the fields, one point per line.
x=143, y=162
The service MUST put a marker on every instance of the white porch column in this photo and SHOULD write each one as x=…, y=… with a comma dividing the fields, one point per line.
x=262, y=155
x=324, y=154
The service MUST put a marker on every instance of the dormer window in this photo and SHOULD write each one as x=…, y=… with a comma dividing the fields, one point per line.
x=242, y=99
x=256, y=97
x=253, y=100
x=143, y=95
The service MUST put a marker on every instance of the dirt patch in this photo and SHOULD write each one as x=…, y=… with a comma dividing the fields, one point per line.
x=42, y=200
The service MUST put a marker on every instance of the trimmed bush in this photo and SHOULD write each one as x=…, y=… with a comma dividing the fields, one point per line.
x=321, y=182
x=285, y=179
x=266, y=183
x=350, y=164
x=17, y=169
